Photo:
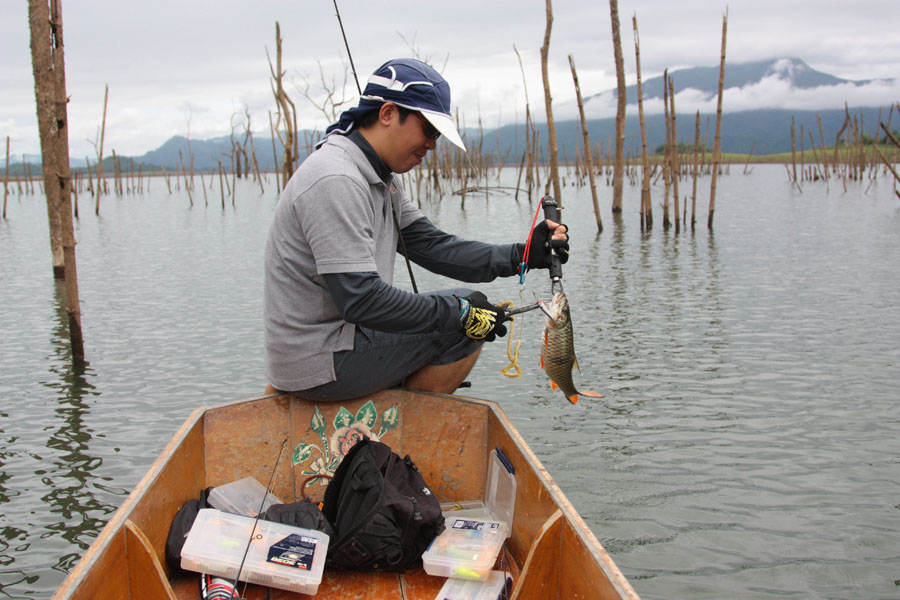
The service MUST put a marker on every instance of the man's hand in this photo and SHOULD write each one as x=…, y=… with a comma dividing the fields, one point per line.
x=480, y=319
x=548, y=234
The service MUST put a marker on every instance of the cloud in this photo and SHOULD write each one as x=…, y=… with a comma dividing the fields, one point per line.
x=161, y=57
x=773, y=91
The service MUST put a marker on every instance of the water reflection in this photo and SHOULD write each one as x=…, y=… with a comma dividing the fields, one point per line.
x=80, y=516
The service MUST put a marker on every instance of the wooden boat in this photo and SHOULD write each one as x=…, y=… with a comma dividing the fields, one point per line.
x=551, y=553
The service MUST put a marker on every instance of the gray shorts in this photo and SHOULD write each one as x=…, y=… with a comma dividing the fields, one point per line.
x=381, y=360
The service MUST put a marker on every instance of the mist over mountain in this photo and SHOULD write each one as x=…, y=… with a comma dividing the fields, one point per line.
x=760, y=101
x=795, y=71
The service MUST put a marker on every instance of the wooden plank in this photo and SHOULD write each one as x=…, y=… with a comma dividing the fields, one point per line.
x=180, y=479
x=419, y=585
x=581, y=574
x=108, y=577
x=146, y=577
x=243, y=440
x=447, y=440
x=539, y=579
x=341, y=585
x=334, y=586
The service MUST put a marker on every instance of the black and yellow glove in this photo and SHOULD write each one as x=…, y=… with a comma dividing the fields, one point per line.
x=480, y=319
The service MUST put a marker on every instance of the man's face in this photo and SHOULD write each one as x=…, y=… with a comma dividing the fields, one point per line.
x=409, y=141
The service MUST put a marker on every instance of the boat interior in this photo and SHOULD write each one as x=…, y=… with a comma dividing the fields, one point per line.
x=550, y=553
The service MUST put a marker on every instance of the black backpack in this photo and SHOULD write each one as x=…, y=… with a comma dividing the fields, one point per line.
x=303, y=514
x=383, y=512
x=181, y=526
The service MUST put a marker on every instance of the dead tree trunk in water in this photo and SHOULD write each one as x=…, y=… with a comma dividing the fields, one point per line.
x=619, y=165
x=696, y=172
x=548, y=101
x=676, y=166
x=586, y=138
x=646, y=207
x=6, y=178
x=287, y=113
x=717, y=144
x=48, y=65
x=530, y=144
x=100, y=155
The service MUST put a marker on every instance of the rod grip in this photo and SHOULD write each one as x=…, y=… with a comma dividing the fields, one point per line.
x=551, y=211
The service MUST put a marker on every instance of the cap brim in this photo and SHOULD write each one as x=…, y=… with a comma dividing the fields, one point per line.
x=445, y=125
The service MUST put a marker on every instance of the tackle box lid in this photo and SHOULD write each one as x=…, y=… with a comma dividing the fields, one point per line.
x=242, y=497
x=499, y=501
x=279, y=556
x=465, y=589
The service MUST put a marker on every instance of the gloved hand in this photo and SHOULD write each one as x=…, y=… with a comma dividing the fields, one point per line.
x=541, y=243
x=480, y=319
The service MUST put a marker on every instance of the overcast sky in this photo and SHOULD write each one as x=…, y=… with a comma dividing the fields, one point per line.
x=179, y=67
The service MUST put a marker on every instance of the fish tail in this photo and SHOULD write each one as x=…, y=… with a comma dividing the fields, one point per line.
x=573, y=398
x=591, y=394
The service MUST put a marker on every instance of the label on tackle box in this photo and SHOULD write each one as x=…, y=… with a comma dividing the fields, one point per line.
x=293, y=551
x=468, y=525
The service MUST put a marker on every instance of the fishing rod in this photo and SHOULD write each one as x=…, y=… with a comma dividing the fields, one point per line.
x=347, y=46
x=412, y=278
x=256, y=522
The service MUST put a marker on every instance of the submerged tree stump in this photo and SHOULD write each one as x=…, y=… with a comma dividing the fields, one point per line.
x=50, y=93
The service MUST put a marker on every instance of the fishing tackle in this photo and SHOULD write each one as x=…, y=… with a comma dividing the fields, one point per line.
x=529, y=307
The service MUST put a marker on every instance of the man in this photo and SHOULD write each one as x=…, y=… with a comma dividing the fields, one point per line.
x=335, y=326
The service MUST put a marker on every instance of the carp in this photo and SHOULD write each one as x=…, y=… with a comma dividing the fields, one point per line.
x=558, y=350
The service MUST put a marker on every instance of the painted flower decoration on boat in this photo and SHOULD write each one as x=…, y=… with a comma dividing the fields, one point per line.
x=348, y=429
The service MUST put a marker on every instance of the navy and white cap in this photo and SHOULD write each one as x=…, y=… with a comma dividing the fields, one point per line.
x=409, y=83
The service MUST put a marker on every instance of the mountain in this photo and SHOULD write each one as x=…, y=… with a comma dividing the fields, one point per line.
x=755, y=118
x=764, y=131
x=706, y=79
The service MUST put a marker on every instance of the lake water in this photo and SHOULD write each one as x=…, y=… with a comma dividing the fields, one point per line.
x=748, y=444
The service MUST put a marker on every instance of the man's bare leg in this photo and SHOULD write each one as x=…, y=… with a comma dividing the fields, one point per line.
x=444, y=379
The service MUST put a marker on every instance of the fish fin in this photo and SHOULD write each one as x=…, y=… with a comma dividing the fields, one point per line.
x=573, y=398
x=553, y=385
x=591, y=394
x=542, y=361
x=576, y=364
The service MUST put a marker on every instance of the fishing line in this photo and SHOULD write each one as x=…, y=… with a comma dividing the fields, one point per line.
x=524, y=266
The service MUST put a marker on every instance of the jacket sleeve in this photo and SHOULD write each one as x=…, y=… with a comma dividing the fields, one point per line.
x=460, y=259
x=363, y=298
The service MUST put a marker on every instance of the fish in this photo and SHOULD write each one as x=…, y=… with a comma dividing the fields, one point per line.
x=558, y=350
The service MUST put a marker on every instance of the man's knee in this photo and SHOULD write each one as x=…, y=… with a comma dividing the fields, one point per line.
x=444, y=379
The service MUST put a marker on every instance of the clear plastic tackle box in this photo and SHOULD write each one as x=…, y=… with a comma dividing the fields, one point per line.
x=465, y=589
x=279, y=556
x=475, y=530
x=242, y=497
